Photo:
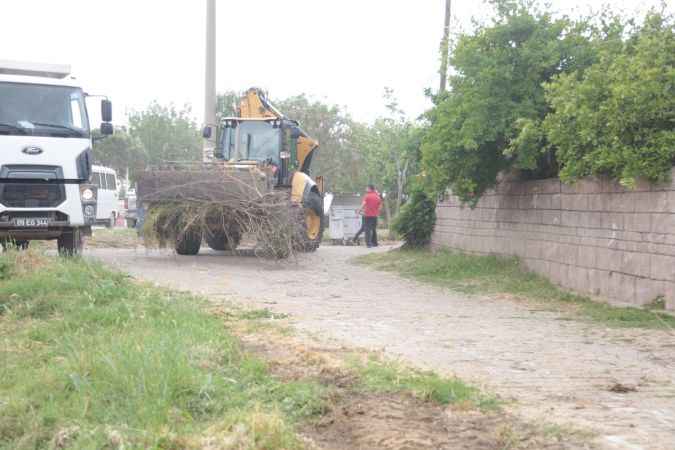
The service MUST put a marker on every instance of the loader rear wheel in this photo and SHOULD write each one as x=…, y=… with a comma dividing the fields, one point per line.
x=222, y=242
x=188, y=242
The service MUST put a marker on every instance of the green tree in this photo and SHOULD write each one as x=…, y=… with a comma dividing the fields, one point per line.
x=166, y=134
x=227, y=104
x=122, y=152
x=390, y=151
x=338, y=158
x=618, y=118
x=500, y=70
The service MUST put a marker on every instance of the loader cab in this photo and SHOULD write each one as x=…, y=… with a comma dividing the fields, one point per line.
x=269, y=142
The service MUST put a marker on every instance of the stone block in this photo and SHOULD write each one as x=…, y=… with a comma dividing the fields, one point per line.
x=623, y=288
x=622, y=202
x=608, y=259
x=541, y=201
x=567, y=254
x=654, y=202
x=597, y=202
x=663, y=223
x=613, y=186
x=571, y=218
x=670, y=296
x=612, y=221
x=661, y=249
x=647, y=290
x=551, y=217
x=533, y=249
x=586, y=256
x=639, y=222
x=663, y=267
x=579, y=279
x=638, y=264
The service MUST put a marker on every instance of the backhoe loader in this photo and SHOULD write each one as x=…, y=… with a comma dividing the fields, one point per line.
x=259, y=167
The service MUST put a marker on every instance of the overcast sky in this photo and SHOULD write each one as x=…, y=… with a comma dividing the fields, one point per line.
x=340, y=51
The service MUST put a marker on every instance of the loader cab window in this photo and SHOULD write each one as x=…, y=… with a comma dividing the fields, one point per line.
x=226, y=145
x=259, y=141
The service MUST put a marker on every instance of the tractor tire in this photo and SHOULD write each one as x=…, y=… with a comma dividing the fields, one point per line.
x=220, y=241
x=188, y=243
x=70, y=242
x=304, y=241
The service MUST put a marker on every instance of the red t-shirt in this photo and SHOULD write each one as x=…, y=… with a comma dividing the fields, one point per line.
x=371, y=204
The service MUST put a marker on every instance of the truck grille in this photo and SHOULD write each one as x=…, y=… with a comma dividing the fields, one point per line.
x=39, y=195
x=31, y=187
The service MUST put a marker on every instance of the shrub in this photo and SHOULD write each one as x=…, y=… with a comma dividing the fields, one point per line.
x=617, y=118
x=417, y=219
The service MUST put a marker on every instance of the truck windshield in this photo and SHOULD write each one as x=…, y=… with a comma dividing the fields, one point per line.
x=42, y=110
x=259, y=141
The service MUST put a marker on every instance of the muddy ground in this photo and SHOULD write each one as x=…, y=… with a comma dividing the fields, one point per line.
x=548, y=369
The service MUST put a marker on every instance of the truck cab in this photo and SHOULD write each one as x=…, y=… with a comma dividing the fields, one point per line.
x=46, y=156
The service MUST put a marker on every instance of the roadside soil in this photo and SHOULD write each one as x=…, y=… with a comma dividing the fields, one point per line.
x=616, y=383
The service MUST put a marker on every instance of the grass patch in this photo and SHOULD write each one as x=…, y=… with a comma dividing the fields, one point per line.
x=472, y=274
x=90, y=359
x=114, y=238
x=378, y=375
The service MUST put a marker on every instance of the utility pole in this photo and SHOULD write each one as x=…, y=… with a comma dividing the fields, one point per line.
x=444, y=45
x=210, y=81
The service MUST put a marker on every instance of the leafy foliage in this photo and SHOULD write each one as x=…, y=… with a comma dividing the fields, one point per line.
x=417, y=219
x=618, y=118
x=166, y=133
x=121, y=151
x=391, y=153
x=500, y=70
x=338, y=158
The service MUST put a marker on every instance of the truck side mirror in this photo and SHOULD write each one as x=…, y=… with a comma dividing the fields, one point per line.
x=207, y=132
x=107, y=129
x=106, y=110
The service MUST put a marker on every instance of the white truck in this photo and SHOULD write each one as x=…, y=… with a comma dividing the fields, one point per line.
x=45, y=156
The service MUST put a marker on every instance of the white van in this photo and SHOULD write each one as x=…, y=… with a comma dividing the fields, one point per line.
x=107, y=202
x=45, y=156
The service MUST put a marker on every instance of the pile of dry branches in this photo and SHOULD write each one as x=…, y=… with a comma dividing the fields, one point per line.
x=222, y=203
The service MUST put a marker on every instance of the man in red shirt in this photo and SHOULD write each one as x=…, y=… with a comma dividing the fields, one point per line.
x=371, y=211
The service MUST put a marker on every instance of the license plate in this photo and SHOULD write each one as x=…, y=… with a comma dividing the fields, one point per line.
x=32, y=222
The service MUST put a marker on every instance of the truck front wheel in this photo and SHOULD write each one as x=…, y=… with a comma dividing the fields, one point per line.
x=70, y=242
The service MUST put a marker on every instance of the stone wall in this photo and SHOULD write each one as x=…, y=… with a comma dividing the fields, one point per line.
x=594, y=237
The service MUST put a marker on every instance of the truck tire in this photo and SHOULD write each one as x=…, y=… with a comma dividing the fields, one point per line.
x=70, y=242
x=188, y=243
x=17, y=245
x=223, y=242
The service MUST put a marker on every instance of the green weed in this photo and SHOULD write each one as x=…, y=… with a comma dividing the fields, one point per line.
x=473, y=274
x=387, y=376
x=89, y=359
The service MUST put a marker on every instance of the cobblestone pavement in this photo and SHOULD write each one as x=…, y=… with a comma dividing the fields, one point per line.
x=555, y=369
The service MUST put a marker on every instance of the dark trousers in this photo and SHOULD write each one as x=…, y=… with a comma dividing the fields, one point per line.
x=361, y=230
x=371, y=231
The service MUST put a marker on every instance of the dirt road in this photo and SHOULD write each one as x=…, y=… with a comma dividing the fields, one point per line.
x=556, y=370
